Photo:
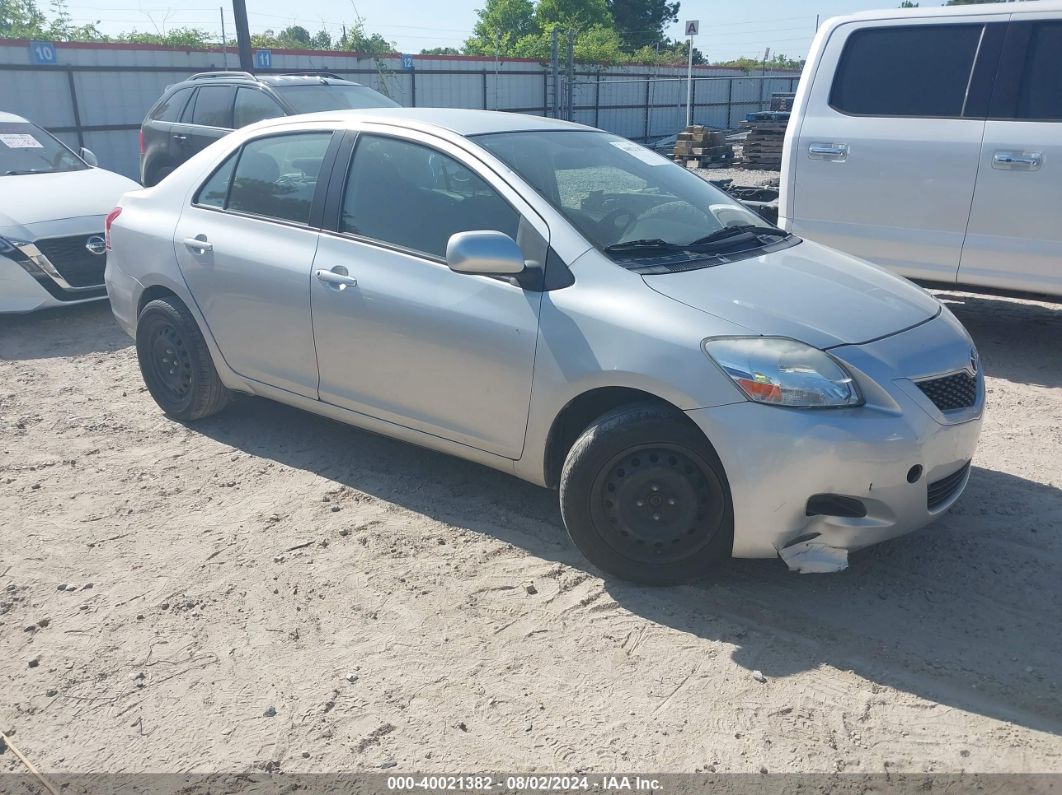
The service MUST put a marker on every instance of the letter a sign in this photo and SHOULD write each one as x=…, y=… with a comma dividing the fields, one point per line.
x=693, y=27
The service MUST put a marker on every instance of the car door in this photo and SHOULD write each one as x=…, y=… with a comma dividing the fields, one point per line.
x=1014, y=239
x=245, y=245
x=886, y=155
x=406, y=339
x=206, y=118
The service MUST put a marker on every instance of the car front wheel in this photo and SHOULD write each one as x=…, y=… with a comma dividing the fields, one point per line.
x=175, y=362
x=645, y=498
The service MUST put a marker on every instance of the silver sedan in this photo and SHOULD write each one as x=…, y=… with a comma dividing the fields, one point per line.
x=564, y=305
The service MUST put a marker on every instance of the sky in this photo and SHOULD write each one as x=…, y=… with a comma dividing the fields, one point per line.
x=729, y=28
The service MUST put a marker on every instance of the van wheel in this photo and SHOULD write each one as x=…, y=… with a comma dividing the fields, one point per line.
x=175, y=362
x=645, y=498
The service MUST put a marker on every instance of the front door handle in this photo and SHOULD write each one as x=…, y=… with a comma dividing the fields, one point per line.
x=336, y=278
x=199, y=244
x=828, y=151
x=1017, y=161
x=179, y=137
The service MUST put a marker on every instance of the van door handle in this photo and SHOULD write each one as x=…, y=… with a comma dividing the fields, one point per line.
x=1017, y=161
x=336, y=278
x=828, y=151
x=199, y=244
x=179, y=137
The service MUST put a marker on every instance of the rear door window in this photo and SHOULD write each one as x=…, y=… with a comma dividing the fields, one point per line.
x=170, y=108
x=213, y=106
x=1040, y=95
x=276, y=177
x=253, y=105
x=915, y=70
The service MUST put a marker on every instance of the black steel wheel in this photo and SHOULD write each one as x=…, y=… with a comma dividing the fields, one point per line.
x=644, y=496
x=175, y=361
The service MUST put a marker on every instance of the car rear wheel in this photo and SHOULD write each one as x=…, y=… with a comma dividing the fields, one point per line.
x=175, y=362
x=645, y=498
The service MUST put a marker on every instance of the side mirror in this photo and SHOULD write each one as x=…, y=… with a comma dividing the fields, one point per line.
x=483, y=252
x=89, y=156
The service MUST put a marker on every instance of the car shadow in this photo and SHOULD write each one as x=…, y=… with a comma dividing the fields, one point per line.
x=964, y=613
x=1018, y=342
x=62, y=332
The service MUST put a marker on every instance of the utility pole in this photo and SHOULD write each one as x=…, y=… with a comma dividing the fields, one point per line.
x=243, y=35
x=224, y=41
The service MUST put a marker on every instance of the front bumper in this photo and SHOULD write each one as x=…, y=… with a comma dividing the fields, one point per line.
x=26, y=289
x=776, y=459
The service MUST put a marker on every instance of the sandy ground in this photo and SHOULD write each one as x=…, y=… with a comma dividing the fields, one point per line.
x=269, y=590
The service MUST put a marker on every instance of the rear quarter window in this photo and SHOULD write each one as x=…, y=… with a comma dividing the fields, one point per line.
x=915, y=70
x=170, y=108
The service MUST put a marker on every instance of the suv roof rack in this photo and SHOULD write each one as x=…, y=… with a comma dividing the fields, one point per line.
x=313, y=73
x=211, y=75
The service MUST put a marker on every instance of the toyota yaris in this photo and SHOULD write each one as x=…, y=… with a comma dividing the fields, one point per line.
x=564, y=305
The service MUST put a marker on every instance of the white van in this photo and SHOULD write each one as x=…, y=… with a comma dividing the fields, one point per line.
x=929, y=141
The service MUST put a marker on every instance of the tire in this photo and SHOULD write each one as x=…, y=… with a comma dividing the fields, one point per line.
x=645, y=498
x=175, y=362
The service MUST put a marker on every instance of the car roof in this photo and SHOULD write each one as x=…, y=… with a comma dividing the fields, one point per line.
x=12, y=118
x=461, y=121
x=972, y=9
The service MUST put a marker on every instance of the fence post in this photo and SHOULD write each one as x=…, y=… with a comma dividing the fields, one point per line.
x=413, y=88
x=597, y=99
x=545, y=93
x=730, y=103
x=73, y=105
x=485, y=90
x=648, y=83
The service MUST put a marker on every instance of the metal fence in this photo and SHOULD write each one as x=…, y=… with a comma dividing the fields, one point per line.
x=97, y=95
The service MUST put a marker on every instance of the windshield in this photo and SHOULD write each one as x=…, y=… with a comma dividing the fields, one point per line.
x=313, y=98
x=27, y=149
x=623, y=197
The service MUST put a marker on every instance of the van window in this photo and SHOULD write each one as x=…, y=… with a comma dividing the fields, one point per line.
x=1040, y=96
x=915, y=70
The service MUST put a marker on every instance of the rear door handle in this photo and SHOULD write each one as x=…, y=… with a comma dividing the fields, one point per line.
x=336, y=278
x=828, y=151
x=1017, y=161
x=179, y=137
x=199, y=244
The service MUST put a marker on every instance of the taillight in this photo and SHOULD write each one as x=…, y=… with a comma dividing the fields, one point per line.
x=141, y=140
x=107, y=226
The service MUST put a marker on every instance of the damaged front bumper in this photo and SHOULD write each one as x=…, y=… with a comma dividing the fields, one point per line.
x=812, y=485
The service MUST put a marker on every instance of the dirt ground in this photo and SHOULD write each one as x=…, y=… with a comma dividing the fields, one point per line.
x=269, y=590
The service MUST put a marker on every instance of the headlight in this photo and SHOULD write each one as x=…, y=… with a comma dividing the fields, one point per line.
x=784, y=372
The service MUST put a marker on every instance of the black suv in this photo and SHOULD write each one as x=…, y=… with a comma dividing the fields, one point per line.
x=194, y=113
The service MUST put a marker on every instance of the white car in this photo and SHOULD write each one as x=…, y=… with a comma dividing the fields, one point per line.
x=929, y=141
x=53, y=204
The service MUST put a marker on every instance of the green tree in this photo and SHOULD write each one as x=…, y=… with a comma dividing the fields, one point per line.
x=441, y=51
x=500, y=25
x=641, y=23
x=577, y=15
x=22, y=19
x=355, y=39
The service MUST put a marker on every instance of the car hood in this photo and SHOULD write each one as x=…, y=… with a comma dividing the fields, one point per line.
x=27, y=199
x=805, y=292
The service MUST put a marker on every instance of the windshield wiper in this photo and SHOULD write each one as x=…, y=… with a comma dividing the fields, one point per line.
x=15, y=172
x=649, y=244
x=734, y=231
